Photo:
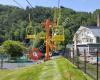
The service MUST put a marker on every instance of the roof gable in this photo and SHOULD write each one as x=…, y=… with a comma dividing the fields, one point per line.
x=94, y=29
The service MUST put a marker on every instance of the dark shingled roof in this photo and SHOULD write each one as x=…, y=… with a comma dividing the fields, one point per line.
x=95, y=30
x=93, y=27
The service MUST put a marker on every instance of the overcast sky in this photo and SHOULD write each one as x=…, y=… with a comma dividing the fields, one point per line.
x=78, y=5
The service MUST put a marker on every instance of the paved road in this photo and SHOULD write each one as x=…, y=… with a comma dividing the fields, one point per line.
x=16, y=65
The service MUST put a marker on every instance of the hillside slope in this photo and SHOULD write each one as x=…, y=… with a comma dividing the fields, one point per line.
x=57, y=69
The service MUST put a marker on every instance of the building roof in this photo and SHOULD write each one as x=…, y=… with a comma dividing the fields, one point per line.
x=94, y=29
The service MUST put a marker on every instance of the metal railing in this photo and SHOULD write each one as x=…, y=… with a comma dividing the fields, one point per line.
x=89, y=64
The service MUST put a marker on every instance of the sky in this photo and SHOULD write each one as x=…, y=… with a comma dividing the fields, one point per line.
x=78, y=5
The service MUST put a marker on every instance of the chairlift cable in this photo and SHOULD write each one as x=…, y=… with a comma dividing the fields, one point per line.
x=29, y=3
x=18, y=4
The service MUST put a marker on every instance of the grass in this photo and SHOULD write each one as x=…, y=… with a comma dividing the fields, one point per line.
x=57, y=69
x=91, y=69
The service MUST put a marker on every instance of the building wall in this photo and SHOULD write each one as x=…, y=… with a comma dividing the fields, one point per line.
x=85, y=36
x=81, y=50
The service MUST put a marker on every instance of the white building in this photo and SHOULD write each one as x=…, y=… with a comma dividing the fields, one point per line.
x=88, y=38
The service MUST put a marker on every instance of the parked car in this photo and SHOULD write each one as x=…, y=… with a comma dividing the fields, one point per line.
x=88, y=59
x=94, y=60
x=55, y=53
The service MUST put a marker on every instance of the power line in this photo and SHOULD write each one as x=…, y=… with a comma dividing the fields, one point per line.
x=17, y=3
x=29, y=3
x=31, y=7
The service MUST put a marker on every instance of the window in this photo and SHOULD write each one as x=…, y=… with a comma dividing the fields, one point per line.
x=91, y=40
x=97, y=39
x=88, y=32
x=87, y=40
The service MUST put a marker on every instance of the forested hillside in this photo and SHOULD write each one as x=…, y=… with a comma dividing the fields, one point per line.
x=14, y=20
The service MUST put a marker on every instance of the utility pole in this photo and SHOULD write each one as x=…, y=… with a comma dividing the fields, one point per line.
x=73, y=56
x=84, y=60
x=97, y=64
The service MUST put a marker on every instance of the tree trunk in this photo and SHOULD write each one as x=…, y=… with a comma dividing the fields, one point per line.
x=1, y=62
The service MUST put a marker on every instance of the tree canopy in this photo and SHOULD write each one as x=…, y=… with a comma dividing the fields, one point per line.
x=13, y=48
x=14, y=20
x=2, y=50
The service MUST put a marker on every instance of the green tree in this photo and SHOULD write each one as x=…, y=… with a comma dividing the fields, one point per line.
x=13, y=48
x=68, y=36
x=2, y=50
x=14, y=20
